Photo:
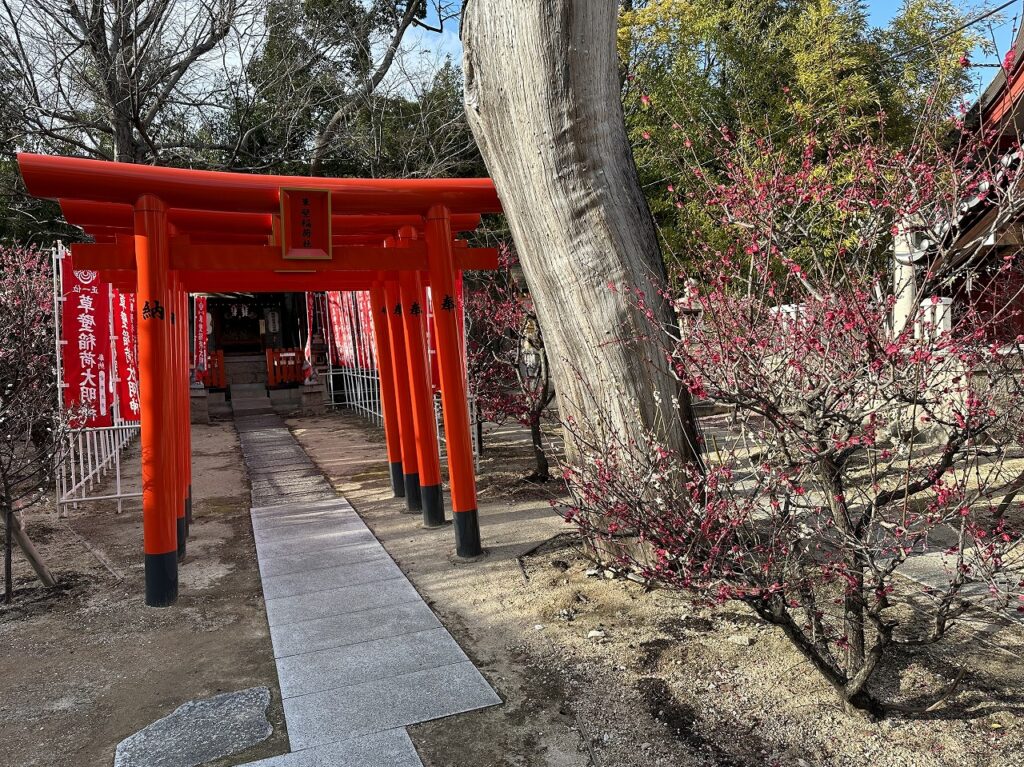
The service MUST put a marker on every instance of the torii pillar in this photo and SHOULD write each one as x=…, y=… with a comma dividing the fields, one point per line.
x=388, y=394
x=399, y=359
x=413, y=300
x=155, y=336
x=454, y=388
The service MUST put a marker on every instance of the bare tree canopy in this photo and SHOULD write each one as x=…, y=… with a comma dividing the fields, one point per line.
x=336, y=87
x=231, y=83
x=116, y=79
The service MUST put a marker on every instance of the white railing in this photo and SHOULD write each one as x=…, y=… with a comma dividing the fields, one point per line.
x=357, y=389
x=89, y=458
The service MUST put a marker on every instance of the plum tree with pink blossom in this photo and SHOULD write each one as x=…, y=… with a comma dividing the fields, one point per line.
x=507, y=359
x=861, y=493
x=33, y=428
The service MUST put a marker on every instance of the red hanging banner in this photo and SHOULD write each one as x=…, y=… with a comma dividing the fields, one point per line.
x=336, y=323
x=307, y=362
x=127, y=356
x=202, y=330
x=85, y=330
x=348, y=352
x=366, y=340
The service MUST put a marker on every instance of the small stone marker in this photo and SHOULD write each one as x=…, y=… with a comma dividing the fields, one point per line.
x=200, y=731
x=742, y=641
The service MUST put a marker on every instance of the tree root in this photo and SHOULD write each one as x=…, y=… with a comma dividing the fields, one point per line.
x=30, y=551
x=944, y=695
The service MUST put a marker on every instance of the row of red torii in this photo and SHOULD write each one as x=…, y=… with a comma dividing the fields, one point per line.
x=166, y=232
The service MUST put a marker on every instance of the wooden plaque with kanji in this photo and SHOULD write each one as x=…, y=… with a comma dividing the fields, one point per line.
x=306, y=224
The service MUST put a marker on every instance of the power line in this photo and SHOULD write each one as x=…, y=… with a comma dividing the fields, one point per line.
x=961, y=28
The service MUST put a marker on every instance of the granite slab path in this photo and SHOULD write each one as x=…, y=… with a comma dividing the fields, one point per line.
x=360, y=656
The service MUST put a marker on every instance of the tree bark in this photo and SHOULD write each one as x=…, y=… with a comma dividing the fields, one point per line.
x=542, y=97
x=14, y=532
x=541, y=469
x=8, y=539
x=32, y=554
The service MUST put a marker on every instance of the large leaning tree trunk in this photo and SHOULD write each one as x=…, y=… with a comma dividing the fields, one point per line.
x=542, y=93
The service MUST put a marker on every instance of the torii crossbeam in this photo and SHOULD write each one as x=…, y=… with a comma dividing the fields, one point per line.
x=165, y=232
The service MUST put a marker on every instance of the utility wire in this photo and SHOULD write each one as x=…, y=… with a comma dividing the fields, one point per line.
x=961, y=28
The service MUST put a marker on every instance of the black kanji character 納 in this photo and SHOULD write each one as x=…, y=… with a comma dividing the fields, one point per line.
x=152, y=311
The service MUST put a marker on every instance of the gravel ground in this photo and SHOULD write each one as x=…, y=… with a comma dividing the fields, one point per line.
x=595, y=670
x=88, y=664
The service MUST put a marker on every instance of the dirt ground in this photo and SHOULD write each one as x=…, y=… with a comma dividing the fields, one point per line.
x=87, y=665
x=668, y=683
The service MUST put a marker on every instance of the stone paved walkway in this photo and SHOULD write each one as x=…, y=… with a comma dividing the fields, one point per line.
x=359, y=654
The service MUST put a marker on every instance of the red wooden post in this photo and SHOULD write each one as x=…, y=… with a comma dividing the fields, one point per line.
x=388, y=396
x=454, y=390
x=186, y=403
x=176, y=408
x=403, y=397
x=159, y=532
x=413, y=299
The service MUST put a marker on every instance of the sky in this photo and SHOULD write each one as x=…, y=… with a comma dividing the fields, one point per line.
x=445, y=44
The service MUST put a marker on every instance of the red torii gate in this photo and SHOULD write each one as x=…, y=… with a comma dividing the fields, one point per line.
x=165, y=232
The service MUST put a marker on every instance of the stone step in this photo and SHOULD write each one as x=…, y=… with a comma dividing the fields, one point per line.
x=248, y=407
x=247, y=370
x=248, y=390
x=249, y=401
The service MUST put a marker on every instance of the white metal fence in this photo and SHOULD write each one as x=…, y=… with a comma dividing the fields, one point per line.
x=91, y=456
x=358, y=388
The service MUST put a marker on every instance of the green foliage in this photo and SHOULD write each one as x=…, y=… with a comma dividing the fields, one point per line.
x=25, y=219
x=419, y=133
x=700, y=72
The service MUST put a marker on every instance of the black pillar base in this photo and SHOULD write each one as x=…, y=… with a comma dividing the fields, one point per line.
x=182, y=537
x=397, y=480
x=433, y=505
x=413, y=500
x=467, y=534
x=161, y=579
